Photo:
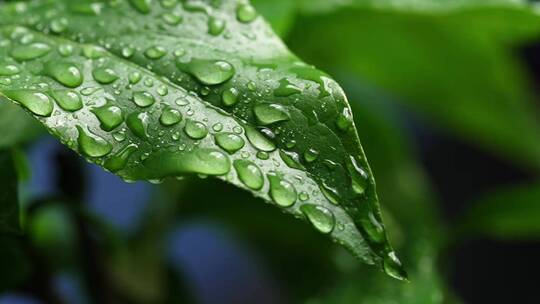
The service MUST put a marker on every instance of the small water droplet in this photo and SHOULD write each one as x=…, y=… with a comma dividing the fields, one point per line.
x=104, y=75
x=321, y=218
x=128, y=51
x=229, y=97
x=9, y=70
x=249, y=174
x=134, y=77
x=392, y=266
x=344, y=120
x=263, y=155
x=162, y=90
x=218, y=127
x=359, y=177
x=311, y=155
x=330, y=193
x=171, y=18
x=229, y=142
x=215, y=26
x=170, y=117
x=68, y=100
x=155, y=52
x=92, y=145
x=65, y=49
x=268, y=113
x=282, y=192
x=143, y=6
x=143, y=99
x=59, y=25
x=195, y=129
x=245, y=13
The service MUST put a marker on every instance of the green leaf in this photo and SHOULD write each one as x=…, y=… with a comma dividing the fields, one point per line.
x=507, y=213
x=151, y=90
x=459, y=69
x=9, y=201
x=22, y=127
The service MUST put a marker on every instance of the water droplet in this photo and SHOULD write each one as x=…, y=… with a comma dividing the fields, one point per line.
x=104, y=75
x=286, y=89
x=268, y=113
x=245, y=13
x=109, y=116
x=344, y=120
x=128, y=51
x=138, y=124
x=162, y=90
x=59, y=25
x=373, y=228
x=303, y=196
x=155, y=52
x=291, y=159
x=230, y=97
x=170, y=117
x=30, y=51
x=92, y=145
x=199, y=161
x=263, y=155
x=93, y=52
x=210, y=72
x=249, y=174
x=65, y=49
x=321, y=218
x=119, y=161
x=181, y=101
x=120, y=136
x=258, y=140
x=36, y=102
x=179, y=53
x=172, y=18
x=143, y=99
x=392, y=266
x=282, y=192
x=195, y=129
x=134, y=77
x=65, y=73
x=359, y=177
x=311, y=155
x=229, y=142
x=143, y=6
x=68, y=100
x=9, y=70
x=218, y=127
x=330, y=193
x=215, y=26
x=252, y=86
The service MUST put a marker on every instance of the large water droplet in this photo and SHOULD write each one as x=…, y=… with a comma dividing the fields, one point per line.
x=321, y=218
x=36, y=102
x=65, y=73
x=31, y=51
x=119, y=161
x=104, y=75
x=282, y=192
x=245, y=13
x=199, y=161
x=8, y=70
x=258, y=140
x=249, y=174
x=68, y=100
x=138, y=124
x=229, y=142
x=359, y=177
x=268, y=113
x=210, y=72
x=143, y=6
x=170, y=117
x=92, y=145
x=109, y=116
x=143, y=99
x=195, y=129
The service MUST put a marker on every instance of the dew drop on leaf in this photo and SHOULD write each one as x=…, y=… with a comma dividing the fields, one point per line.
x=321, y=218
x=36, y=102
x=109, y=116
x=229, y=142
x=68, y=100
x=143, y=99
x=211, y=72
x=230, y=96
x=170, y=117
x=9, y=70
x=245, y=13
x=65, y=73
x=249, y=174
x=138, y=124
x=282, y=192
x=92, y=145
x=119, y=161
x=195, y=129
x=30, y=51
x=104, y=75
x=270, y=113
x=259, y=141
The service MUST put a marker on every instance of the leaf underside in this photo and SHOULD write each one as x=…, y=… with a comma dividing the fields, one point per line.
x=157, y=89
